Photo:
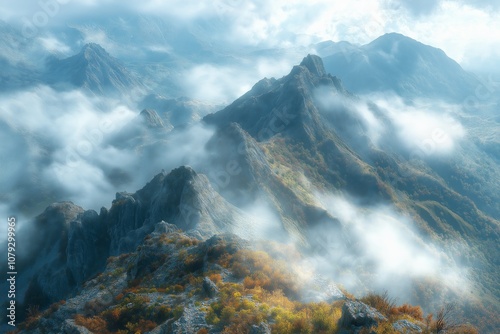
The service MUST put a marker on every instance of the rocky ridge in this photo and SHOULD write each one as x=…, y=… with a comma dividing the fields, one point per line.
x=174, y=283
x=76, y=243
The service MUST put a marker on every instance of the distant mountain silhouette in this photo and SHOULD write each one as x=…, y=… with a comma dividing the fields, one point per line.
x=399, y=64
x=93, y=69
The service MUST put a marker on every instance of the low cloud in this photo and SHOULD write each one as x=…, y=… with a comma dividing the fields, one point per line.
x=214, y=83
x=350, y=116
x=430, y=128
x=378, y=248
x=64, y=129
x=225, y=83
x=60, y=146
x=53, y=45
x=264, y=222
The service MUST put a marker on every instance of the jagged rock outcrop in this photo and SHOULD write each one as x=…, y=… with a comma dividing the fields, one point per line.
x=182, y=197
x=406, y=327
x=159, y=261
x=315, y=65
x=69, y=246
x=151, y=119
x=88, y=245
x=358, y=314
x=73, y=244
x=209, y=287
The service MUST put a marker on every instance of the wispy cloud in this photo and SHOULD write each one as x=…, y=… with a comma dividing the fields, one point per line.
x=53, y=45
x=61, y=143
x=225, y=83
x=430, y=128
x=426, y=125
x=378, y=248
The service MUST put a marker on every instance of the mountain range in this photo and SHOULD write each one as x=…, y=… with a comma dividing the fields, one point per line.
x=305, y=184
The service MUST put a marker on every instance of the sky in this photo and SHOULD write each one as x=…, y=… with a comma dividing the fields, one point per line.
x=467, y=30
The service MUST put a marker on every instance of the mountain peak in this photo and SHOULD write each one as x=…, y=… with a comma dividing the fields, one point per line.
x=181, y=175
x=93, y=46
x=92, y=68
x=314, y=64
x=91, y=50
x=151, y=119
x=394, y=36
x=284, y=105
x=388, y=40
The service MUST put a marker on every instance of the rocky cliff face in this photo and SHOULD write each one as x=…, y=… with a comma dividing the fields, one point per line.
x=242, y=173
x=182, y=197
x=74, y=244
x=47, y=277
x=88, y=246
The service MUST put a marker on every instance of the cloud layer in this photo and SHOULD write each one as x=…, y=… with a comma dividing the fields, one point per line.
x=225, y=83
x=70, y=146
x=429, y=127
x=420, y=128
x=377, y=248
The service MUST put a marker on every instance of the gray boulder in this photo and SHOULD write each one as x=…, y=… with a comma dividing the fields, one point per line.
x=358, y=314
